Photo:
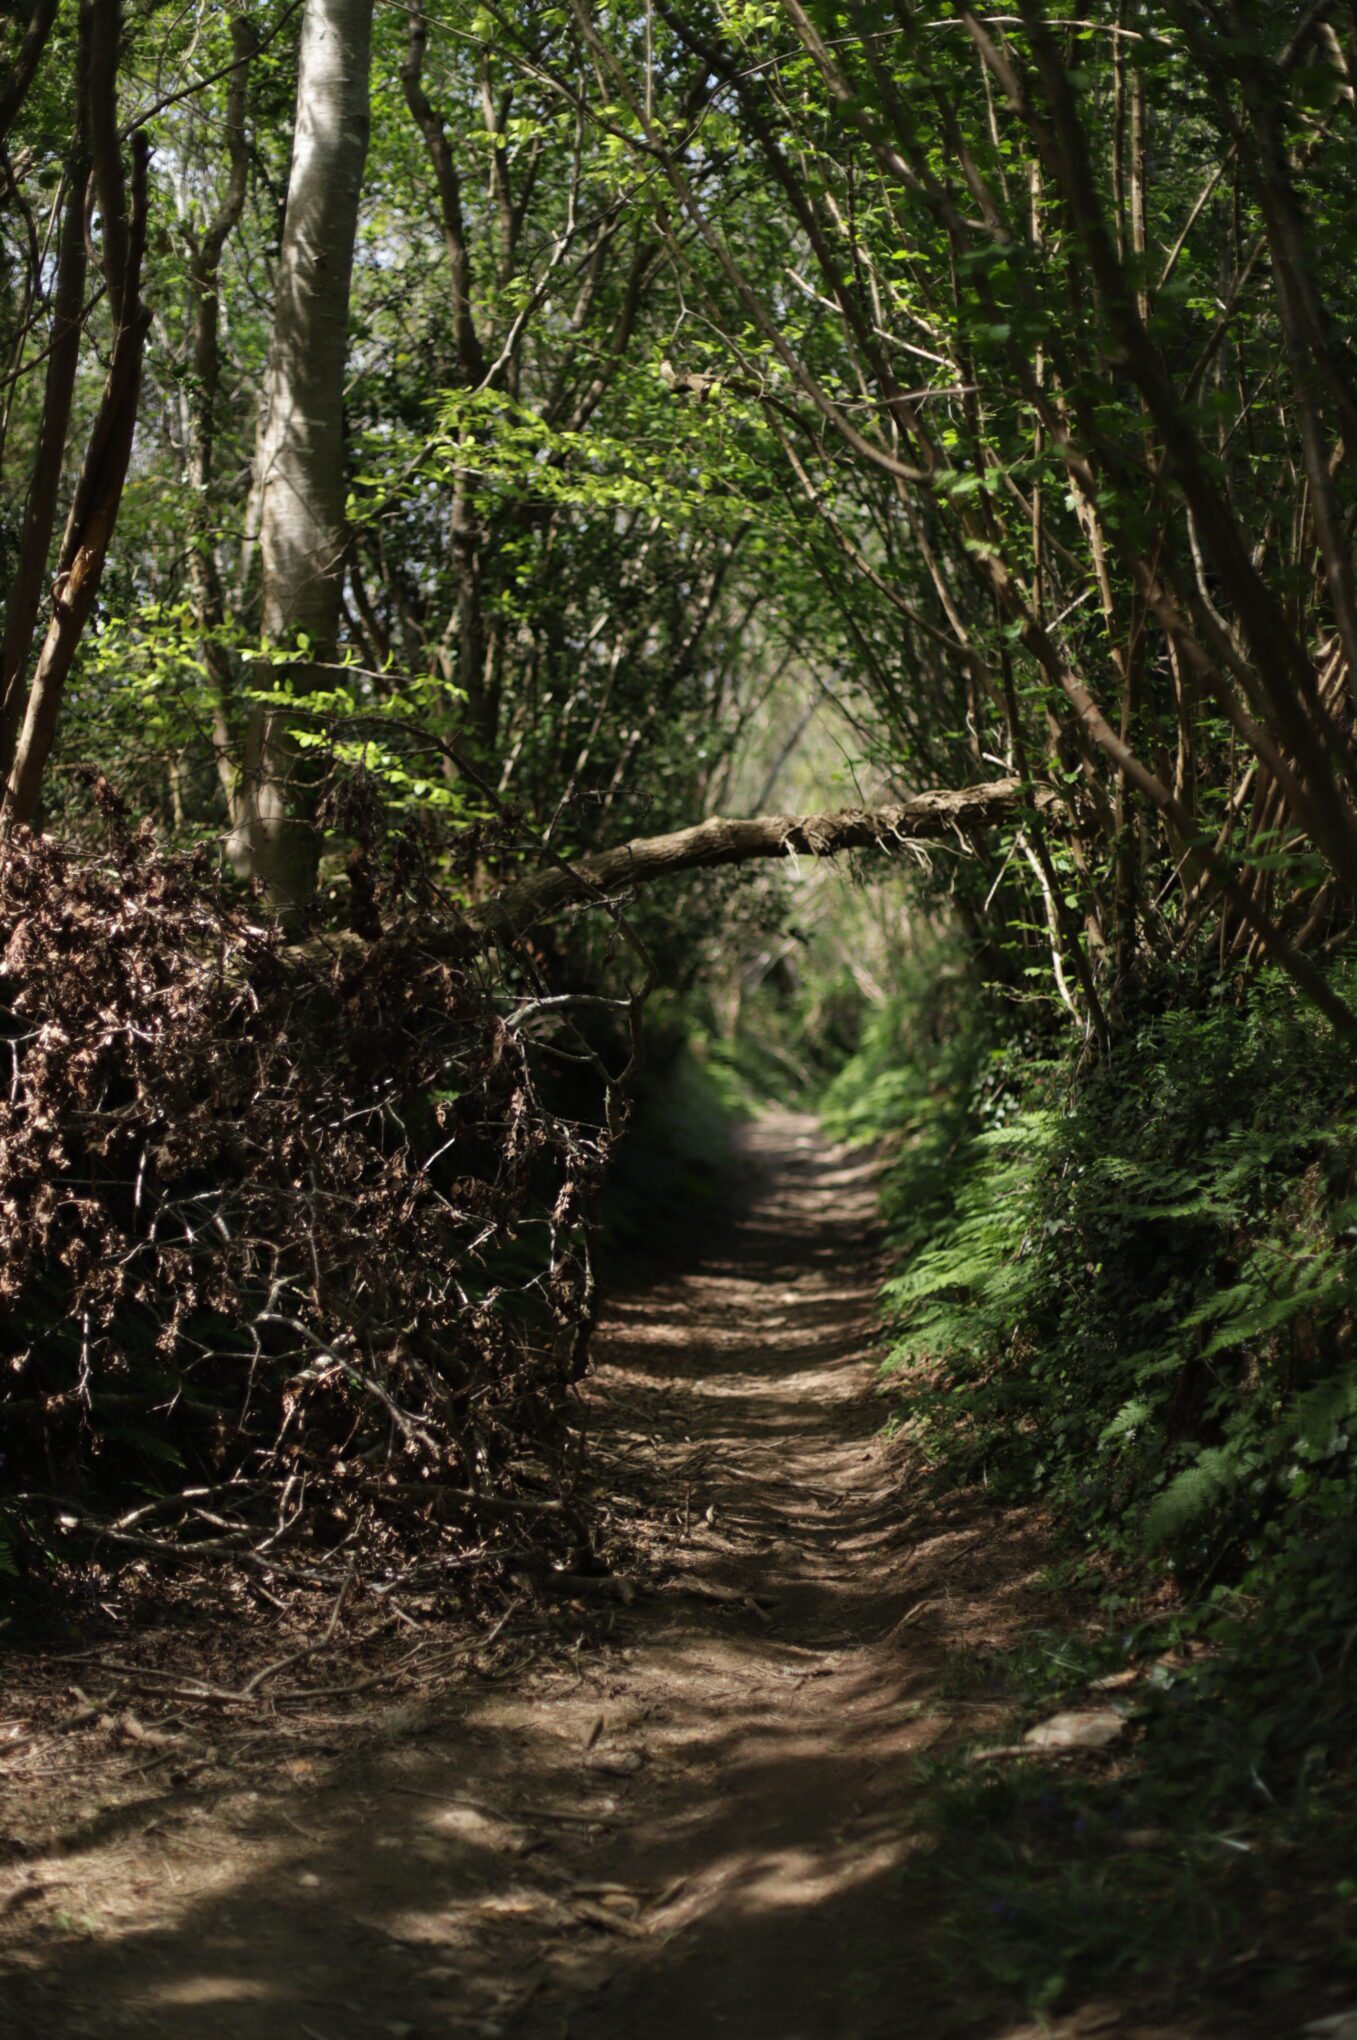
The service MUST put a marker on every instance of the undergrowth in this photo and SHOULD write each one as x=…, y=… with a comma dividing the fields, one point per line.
x=1124, y=1288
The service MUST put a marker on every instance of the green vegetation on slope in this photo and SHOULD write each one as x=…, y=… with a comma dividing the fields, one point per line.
x=1124, y=1289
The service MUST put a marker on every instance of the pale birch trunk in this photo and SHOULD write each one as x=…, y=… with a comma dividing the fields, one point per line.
x=302, y=478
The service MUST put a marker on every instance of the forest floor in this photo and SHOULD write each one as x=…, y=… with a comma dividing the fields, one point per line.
x=686, y=1812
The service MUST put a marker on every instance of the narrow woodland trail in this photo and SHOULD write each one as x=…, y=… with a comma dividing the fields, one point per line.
x=692, y=1823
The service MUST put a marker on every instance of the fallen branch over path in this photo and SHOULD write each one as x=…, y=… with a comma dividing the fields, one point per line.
x=923, y=818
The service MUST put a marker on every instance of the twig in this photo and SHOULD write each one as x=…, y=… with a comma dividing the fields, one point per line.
x=569, y=1819
x=256, y=1679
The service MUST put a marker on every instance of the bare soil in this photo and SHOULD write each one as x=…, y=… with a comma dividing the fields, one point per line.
x=682, y=1808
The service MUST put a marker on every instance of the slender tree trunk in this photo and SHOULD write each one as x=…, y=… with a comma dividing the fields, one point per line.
x=465, y=536
x=204, y=278
x=24, y=601
x=98, y=492
x=302, y=479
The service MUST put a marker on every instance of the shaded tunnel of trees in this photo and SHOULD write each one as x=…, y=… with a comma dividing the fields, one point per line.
x=476, y=474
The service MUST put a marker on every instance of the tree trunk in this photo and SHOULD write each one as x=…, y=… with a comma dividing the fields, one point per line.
x=302, y=479
x=24, y=603
x=98, y=493
x=465, y=532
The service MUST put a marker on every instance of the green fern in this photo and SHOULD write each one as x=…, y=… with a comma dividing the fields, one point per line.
x=1192, y=1494
x=1106, y=1258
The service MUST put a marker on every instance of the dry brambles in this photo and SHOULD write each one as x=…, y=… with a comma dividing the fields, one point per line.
x=293, y=1250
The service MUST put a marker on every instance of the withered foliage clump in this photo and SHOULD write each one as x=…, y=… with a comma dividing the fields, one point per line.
x=292, y=1257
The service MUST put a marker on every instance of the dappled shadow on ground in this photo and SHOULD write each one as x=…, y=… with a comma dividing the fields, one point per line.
x=696, y=1824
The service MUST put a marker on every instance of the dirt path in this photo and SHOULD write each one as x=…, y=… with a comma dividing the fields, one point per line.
x=692, y=1825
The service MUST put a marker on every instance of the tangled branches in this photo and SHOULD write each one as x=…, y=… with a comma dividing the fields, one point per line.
x=294, y=1250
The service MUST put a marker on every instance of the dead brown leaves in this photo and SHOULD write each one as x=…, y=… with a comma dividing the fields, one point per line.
x=293, y=1267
